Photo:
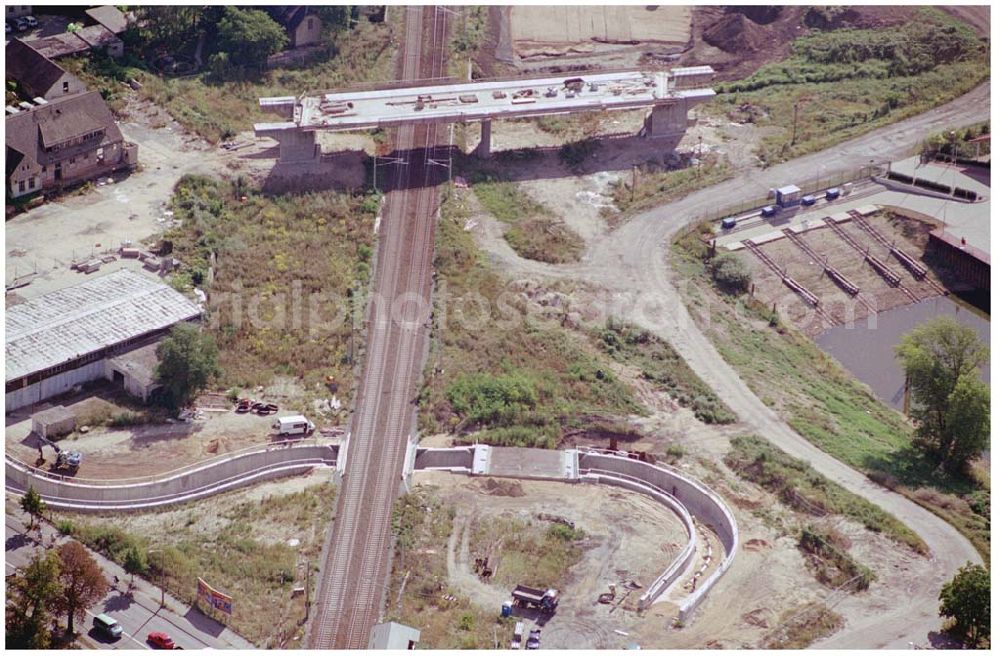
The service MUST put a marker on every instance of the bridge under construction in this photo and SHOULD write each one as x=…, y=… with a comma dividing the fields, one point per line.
x=668, y=94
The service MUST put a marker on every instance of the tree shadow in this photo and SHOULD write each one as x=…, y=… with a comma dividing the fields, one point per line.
x=119, y=602
x=910, y=467
x=17, y=541
x=943, y=641
x=203, y=623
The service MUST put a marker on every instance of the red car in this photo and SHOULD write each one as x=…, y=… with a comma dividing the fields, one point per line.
x=160, y=640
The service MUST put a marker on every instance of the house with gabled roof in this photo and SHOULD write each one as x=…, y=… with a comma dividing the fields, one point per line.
x=68, y=140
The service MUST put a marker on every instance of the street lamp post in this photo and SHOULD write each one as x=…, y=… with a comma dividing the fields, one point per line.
x=163, y=576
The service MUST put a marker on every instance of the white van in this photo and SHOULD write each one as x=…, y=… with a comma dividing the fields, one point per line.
x=288, y=426
x=515, y=643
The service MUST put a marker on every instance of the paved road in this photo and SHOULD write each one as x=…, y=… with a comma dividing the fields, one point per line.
x=631, y=263
x=138, y=613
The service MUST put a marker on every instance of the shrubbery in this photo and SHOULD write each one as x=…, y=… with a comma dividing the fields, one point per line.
x=731, y=273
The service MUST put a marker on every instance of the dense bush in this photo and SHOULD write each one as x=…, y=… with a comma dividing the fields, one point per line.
x=731, y=273
x=492, y=399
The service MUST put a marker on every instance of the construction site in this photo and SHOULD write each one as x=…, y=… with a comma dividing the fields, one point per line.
x=560, y=178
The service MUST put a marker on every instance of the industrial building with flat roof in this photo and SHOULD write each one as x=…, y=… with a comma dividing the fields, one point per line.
x=67, y=337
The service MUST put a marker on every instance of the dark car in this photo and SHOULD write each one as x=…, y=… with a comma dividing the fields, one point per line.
x=729, y=223
x=20, y=24
x=160, y=640
x=808, y=200
x=833, y=193
x=534, y=639
x=7, y=27
x=768, y=211
x=31, y=21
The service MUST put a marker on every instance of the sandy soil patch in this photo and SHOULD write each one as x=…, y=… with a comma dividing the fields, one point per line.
x=548, y=31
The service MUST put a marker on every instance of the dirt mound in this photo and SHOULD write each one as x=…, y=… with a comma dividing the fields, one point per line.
x=503, y=488
x=756, y=544
x=735, y=33
x=759, y=14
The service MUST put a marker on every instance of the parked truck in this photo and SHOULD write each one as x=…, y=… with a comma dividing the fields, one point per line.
x=288, y=426
x=546, y=600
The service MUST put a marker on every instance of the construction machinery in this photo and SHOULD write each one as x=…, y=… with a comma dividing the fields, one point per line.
x=544, y=599
x=65, y=460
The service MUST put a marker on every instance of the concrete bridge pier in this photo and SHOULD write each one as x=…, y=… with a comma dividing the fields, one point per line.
x=667, y=120
x=294, y=144
x=483, y=150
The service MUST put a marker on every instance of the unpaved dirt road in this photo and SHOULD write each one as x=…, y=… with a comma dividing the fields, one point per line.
x=631, y=263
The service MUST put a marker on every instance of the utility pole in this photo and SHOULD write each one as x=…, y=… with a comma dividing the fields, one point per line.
x=795, y=122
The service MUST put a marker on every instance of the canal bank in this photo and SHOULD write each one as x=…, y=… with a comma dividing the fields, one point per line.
x=867, y=349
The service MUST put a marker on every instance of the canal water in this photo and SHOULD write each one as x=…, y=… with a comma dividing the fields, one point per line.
x=868, y=351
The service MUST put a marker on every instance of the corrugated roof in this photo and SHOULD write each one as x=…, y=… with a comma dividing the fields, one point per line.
x=72, y=322
x=110, y=17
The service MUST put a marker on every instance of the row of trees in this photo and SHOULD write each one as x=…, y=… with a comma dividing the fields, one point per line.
x=62, y=581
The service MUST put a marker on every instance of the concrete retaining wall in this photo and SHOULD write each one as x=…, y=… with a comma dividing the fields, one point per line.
x=454, y=459
x=200, y=481
x=683, y=561
x=701, y=502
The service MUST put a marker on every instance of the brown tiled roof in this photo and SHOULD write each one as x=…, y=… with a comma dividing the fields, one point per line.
x=110, y=17
x=35, y=72
x=63, y=119
x=60, y=45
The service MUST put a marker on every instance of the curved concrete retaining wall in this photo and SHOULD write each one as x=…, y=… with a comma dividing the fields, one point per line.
x=701, y=502
x=200, y=481
x=683, y=561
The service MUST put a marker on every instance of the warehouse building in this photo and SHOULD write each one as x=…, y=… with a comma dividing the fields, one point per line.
x=87, y=332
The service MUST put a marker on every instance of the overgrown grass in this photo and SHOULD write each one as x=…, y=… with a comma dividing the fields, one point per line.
x=800, y=628
x=802, y=488
x=419, y=594
x=527, y=552
x=285, y=273
x=830, y=560
x=217, y=110
x=655, y=186
x=246, y=555
x=660, y=364
x=848, y=82
x=496, y=369
x=822, y=401
x=533, y=231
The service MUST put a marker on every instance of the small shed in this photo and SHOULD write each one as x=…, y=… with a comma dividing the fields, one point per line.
x=53, y=422
x=393, y=636
x=135, y=371
x=788, y=195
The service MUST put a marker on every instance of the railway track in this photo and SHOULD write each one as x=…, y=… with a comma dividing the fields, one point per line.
x=356, y=566
x=888, y=274
x=810, y=298
x=838, y=277
x=918, y=271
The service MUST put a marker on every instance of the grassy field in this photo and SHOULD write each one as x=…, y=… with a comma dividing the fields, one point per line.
x=660, y=364
x=239, y=547
x=526, y=551
x=803, y=489
x=823, y=402
x=505, y=377
x=279, y=272
x=533, y=230
x=419, y=594
x=217, y=110
x=847, y=82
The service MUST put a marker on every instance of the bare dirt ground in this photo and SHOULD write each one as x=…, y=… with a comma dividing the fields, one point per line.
x=94, y=220
x=841, y=306
x=144, y=450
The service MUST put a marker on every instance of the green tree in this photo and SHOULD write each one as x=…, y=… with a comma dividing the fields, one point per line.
x=32, y=504
x=941, y=359
x=249, y=36
x=32, y=592
x=188, y=359
x=83, y=582
x=966, y=598
x=135, y=561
